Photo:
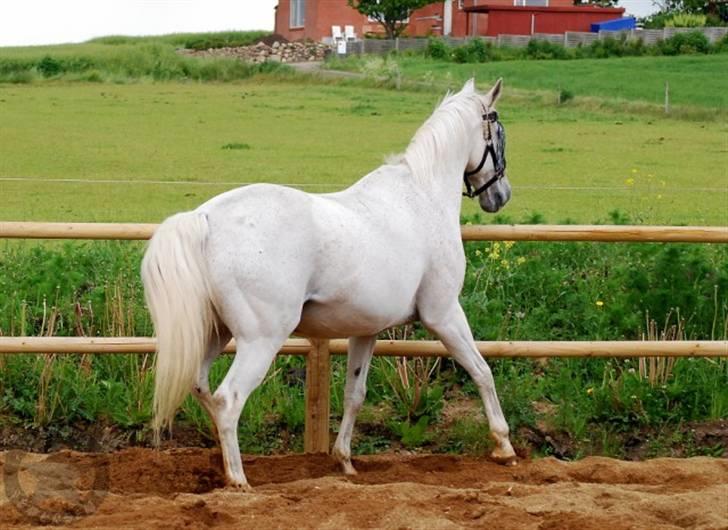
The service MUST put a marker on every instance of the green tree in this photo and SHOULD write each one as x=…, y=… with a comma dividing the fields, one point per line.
x=717, y=9
x=389, y=13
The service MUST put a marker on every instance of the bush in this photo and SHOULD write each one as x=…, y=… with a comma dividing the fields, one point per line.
x=686, y=20
x=541, y=49
x=478, y=50
x=49, y=67
x=656, y=21
x=565, y=95
x=437, y=49
x=460, y=55
x=684, y=43
x=474, y=51
x=722, y=45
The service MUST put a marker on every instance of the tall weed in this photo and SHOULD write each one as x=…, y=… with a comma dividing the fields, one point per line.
x=513, y=291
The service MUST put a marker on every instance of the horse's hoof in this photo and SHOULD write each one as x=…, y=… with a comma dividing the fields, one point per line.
x=348, y=469
x=345, y=462
x=242, y=487
x=504, y=459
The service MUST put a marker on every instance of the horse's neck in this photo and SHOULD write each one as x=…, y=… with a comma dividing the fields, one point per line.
x=437, y=158
x=444, y=190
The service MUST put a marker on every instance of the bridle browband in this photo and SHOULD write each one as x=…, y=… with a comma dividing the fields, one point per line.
x=499, y=162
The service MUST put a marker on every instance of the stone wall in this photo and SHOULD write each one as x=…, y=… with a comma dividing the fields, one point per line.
x=277, y=51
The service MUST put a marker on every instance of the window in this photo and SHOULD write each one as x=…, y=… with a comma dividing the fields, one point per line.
x=298, y=13
x=532, y=3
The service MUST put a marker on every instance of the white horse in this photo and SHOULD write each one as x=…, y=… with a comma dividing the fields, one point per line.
x=261, y=262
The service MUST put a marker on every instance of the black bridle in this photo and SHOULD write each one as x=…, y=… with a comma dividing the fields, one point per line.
x=499, y=158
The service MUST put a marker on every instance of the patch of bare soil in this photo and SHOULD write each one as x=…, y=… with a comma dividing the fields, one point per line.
x=141, y=487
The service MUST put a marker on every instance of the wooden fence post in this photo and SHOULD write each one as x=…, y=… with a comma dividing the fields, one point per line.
x=318, y=370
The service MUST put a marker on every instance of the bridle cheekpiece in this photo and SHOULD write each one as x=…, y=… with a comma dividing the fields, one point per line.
x=490, y=119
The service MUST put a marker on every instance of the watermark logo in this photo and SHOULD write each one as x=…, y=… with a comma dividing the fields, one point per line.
x=55, y=489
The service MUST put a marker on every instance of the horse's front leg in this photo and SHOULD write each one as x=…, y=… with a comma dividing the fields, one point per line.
x=451, y=326
x=357, y=367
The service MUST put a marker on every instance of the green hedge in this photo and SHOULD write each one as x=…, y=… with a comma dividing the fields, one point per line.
x=479, y=51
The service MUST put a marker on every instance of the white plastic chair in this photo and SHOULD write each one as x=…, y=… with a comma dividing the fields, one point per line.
x=336, y=33
x=349, y=33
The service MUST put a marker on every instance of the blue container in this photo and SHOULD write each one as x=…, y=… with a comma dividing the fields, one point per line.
x=616, y=24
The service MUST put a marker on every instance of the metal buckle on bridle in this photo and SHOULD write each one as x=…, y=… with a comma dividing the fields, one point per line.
x=489, y=117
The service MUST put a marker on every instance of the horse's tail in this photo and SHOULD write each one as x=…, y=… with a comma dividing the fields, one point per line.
x=177, y=292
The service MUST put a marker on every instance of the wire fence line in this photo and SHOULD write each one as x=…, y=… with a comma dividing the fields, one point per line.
x=334, y=185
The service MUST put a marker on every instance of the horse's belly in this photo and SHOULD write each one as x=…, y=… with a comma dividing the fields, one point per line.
x=344, y=320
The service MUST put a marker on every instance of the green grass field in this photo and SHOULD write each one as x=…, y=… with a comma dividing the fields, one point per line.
x=127, y=149
x=140, y=152
x=695, y=81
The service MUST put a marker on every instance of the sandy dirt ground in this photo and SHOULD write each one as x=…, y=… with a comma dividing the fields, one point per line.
x=182, y=488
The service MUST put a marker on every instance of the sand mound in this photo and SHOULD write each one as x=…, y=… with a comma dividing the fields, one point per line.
x=138, y=488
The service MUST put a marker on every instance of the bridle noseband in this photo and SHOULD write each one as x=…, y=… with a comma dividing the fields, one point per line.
x=499, y=162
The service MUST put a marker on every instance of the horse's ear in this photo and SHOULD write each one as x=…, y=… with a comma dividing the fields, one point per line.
x=492, y=96
x=469, y=85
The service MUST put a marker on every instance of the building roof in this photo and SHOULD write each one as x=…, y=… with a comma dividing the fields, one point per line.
x=531, y=9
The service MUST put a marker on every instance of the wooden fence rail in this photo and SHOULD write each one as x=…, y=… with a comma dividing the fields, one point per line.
x=604, y=233
x=396, y=348
x=318, y=353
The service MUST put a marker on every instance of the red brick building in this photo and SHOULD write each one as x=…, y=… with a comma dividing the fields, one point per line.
x=314, y=19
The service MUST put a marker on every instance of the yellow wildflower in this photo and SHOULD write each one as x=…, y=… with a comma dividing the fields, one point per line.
x=505, y=264
x=478, y=253
x=590, y=391
x=599, y=303
x=634, y=171
x=629, y=182
x=520, y=260
x=509, y=244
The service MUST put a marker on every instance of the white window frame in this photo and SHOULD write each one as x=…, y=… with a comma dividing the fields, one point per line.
x=297, y=18
x=531, y=3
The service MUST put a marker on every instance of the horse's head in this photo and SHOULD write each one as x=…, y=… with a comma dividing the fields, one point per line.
x=485, y=173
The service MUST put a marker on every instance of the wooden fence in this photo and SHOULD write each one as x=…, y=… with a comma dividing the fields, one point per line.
x=604, y=233
x=318, y=352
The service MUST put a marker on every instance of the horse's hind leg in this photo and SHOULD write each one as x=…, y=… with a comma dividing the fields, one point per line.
x=451, y=326
x=251, y=363
x=357, y=367
x=201, y=389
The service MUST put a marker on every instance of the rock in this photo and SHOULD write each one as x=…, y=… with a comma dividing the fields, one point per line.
x=275, y=58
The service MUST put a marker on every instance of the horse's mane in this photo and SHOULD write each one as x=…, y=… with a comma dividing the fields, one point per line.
x=446, y=129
